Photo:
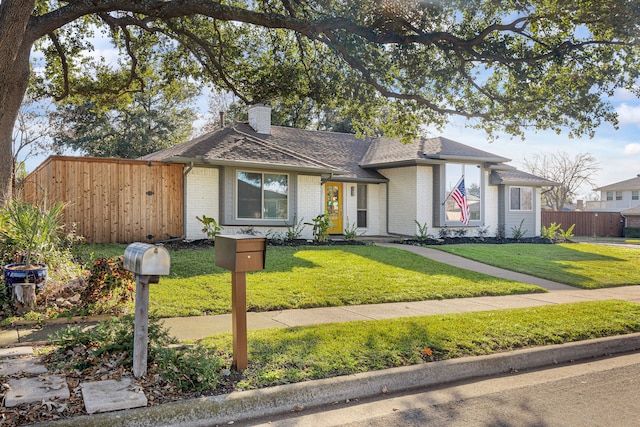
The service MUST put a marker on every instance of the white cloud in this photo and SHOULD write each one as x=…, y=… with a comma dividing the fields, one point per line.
x=632, y=149
x=629, y=114
x=621, y=95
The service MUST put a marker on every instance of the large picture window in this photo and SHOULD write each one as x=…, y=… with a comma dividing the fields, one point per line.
x=521, y=198
x=262, y=195
x=473, y=187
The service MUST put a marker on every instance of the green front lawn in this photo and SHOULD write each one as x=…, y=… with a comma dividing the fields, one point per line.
x=578, y=264
x=304, y=277
x=281, y=356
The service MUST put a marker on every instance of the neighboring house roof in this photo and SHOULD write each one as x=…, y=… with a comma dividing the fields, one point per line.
x=631, y=211
x=516, y=177
x=629, y=184
x=385, y=152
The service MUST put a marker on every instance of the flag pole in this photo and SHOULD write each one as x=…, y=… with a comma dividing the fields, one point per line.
x=454, y=187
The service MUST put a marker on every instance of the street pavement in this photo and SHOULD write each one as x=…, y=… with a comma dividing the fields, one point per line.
x=224, y=409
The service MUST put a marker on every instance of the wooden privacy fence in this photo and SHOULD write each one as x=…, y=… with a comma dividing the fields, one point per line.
x=112, y=200
x=588, y=224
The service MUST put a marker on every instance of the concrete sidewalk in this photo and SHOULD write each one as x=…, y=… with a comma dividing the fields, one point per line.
x=242, y=405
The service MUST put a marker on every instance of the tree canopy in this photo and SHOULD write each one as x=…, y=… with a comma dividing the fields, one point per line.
x=390, y=65
x=139, y=123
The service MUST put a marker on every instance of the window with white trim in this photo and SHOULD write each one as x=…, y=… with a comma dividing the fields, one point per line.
x=521, y=198
x=262, y=195
x=473, y=185
x=635, y=195
x=362, y=206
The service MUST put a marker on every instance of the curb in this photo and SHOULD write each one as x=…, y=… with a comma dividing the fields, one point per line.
x=282, y=399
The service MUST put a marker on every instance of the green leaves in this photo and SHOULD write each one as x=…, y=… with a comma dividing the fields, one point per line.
x=390, y=66
x=139, y=123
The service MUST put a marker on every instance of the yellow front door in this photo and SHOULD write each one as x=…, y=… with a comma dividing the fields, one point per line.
x=333, y=206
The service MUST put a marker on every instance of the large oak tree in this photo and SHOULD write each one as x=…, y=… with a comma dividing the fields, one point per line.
x=506, y=65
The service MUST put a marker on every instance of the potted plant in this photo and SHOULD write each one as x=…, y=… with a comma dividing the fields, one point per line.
x=31, y=231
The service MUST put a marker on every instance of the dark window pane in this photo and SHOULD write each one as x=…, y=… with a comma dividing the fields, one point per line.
x=362, y=219
x=515, y=199
x=249, y=195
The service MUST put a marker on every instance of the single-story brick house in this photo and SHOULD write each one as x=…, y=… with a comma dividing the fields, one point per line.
x=266, y=177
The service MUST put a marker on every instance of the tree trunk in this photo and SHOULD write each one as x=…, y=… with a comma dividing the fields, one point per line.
x=25, y=294
x=15, y=48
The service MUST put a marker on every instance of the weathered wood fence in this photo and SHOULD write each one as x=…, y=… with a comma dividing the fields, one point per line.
x=112, y=200
x=588, y=224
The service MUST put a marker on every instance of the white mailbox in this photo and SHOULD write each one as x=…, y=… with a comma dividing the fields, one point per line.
x=145, y=259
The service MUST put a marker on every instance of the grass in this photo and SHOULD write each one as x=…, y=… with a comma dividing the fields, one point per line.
x=280, y=356
x=304, y=277
x=582, y=265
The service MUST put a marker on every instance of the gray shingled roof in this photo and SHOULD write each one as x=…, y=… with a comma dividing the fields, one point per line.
x=341, y=150
x=631, y=211
x=386, y=152
x=345, y=156
x=239, y=144
x=629, y=184
x=516, y=177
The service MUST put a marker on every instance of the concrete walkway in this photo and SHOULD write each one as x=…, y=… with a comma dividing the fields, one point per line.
x=467, y=264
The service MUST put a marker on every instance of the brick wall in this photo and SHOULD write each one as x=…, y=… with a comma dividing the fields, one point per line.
x=201, y=199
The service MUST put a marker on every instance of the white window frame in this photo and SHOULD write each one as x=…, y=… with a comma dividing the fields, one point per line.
x=364, y=209
x=530, y=189
x=464, y=166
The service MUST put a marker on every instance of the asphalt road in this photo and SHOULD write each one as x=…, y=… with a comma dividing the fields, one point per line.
x=605, y=392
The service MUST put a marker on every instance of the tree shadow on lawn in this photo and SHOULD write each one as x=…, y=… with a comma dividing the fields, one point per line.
x=199, y=262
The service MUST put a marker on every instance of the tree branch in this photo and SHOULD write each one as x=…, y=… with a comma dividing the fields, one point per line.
x=386, y=92
x=65, y=67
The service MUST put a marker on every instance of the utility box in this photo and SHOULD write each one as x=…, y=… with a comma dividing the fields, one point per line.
x=147, y=260
x=241, y=253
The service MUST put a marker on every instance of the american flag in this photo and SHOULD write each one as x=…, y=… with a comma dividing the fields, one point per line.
x=460, y=196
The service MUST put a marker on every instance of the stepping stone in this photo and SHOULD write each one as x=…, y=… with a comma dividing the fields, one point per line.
x=9, y=337
x=112, y=395
x=27, y=365
x=29, y=390
x=16, y=351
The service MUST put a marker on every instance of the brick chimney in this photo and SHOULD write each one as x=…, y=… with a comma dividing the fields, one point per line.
x=260, y=118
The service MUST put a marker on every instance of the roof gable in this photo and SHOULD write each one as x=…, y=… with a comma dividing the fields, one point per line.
x=629, y=184
x=391, y=152
x=233, y=145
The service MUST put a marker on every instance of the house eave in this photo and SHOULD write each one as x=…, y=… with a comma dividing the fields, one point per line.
x=468, y=159
x=255, y=165
x=403, y=163
x=357, y=180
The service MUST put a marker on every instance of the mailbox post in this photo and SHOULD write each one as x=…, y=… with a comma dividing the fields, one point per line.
x=148, y=263
x=240, y=253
